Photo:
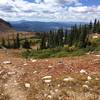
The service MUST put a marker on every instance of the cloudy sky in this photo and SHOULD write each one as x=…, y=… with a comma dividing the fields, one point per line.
x=50, y=10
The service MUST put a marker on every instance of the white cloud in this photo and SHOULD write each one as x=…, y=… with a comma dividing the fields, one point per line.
x=49, y=10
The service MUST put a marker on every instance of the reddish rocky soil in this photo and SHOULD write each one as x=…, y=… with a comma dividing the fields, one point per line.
x=69, y=78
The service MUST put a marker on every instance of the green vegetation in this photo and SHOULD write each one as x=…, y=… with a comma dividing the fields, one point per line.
x=58, y=52
x=61, y=43
x=58, y=43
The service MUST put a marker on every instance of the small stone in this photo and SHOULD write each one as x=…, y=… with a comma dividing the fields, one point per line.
x=97, y=79
x=11, y=73
x=27, y=85
x=87, y=82
x=58, y=85
x=7, y=62
x=56, y=90
x=50, y=66
x=47, y=81
x=34, y=72
x=49, y=96
x=82, y=71
x=33, y=60
x=46, y=77
x=97, y=55
x=46, y=60
x=25, y=64
x=89, y=78
x=85, y=86
x=68, y=79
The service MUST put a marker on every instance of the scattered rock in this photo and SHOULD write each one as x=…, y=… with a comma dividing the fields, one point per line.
x=46, y=60
x=34, y=72
x=47, y=81
x=6, y=62
x=46, y=77
x=1, y=71
x=33, y=60
x=82, y=71
x=6, y=85
x=27, y=85
x=85, y=86
x=49, y=96
x=56, y=90
x=97, y=55
x=68, y=79
x=87, y=82
x=58, y=85
x=50, y=66
x=25, y=64
x=89, y=78
x=97, y=79
x=52, y=92
x=11, y=73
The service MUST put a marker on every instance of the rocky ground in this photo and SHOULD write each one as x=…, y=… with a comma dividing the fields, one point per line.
x=69, y=78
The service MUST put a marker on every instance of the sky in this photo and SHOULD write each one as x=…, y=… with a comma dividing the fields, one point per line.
x=50, y=10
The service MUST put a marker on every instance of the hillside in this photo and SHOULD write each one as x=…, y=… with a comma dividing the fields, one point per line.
x=5, y=26
x=69, y=78
x=37, y=26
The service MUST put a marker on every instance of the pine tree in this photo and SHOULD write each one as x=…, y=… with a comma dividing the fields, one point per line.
x=17, y=41
x=26, y=44
x=8, y=43
x=60, y=37
x=84, y=36
x=43, y=41
x=3, y=43
x=95, y=26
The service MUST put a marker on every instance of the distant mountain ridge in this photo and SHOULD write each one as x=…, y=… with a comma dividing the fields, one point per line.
x=37, y=26
x=5, y=26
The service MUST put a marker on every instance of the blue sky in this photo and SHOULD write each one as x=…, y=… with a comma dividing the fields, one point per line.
x=50, y=10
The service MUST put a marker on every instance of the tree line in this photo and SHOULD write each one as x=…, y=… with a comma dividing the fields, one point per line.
x=78, y=36
x=15, y=42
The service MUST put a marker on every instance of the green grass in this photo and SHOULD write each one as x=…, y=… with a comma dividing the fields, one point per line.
x=48, y=53
x=61, y=52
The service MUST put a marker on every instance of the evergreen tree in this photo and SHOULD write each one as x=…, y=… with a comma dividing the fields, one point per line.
x=17, y=41
x=84, y=36
x=26, y=44
x=43, y=41
x=95, y=26
x=8, y=43
x=3, y=42
x=60, y=37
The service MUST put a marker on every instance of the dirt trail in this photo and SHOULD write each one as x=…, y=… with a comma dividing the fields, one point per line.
x=22, y=79
x=12, y=88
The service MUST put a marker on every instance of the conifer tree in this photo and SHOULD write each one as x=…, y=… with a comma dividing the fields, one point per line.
x=8, y=43
x=17, y=41
x=43, y=41
x=3, y=42
x=26, y=44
